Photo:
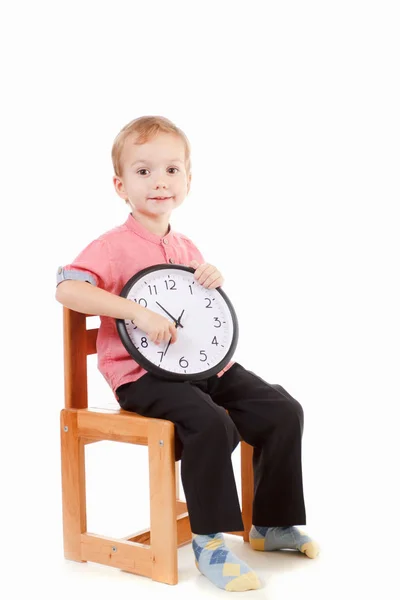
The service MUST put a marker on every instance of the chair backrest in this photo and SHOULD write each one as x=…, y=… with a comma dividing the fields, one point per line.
x=79, y=342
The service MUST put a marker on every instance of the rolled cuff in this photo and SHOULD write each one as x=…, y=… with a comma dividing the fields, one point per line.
x=64, y=274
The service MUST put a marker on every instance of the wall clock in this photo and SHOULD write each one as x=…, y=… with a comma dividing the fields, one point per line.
x=206, y=322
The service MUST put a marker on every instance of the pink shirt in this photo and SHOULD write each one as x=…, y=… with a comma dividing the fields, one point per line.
x=108, y=262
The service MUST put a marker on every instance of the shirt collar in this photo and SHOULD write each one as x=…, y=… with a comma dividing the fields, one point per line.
x=134, y=225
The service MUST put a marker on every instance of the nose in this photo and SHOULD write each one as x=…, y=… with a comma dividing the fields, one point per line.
x=159, y=180
x=160, y=185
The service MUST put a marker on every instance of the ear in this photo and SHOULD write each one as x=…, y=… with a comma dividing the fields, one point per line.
x=189, y=181
x=120, y=188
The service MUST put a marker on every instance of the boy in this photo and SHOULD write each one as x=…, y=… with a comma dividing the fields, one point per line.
x=151, y=159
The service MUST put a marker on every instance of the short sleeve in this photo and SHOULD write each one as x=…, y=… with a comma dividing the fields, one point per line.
x=91, y=265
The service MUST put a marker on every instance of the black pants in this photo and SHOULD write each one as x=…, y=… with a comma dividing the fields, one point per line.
x=262, y=414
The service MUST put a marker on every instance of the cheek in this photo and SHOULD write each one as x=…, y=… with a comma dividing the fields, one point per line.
x=182, y=182
x=138, y=186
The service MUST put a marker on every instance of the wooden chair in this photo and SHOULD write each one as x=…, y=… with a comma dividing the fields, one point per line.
x=152, y=552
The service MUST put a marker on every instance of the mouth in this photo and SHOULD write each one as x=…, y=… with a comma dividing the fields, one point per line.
x=161, y=198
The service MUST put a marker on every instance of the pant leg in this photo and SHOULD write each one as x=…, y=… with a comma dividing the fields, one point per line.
x=271, y=420
x=208, y=437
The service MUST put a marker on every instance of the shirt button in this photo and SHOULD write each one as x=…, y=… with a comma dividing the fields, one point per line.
x=165, y=241
x=170, y=260
x=60, y=270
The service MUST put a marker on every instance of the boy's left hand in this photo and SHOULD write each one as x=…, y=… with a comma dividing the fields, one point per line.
x=207, y=275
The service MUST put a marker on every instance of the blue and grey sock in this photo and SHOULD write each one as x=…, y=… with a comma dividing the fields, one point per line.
x=277, y=538
x=221, y=566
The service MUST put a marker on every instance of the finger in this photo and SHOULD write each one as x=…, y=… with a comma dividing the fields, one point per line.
x=207, y=272
x=201, y=269
x=173, y=333
x=217, y=283
x=211, y=278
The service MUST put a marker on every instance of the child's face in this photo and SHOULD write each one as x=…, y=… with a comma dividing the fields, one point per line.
x=154, y=169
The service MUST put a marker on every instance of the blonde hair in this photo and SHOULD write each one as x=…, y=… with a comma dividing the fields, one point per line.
x=145, y=129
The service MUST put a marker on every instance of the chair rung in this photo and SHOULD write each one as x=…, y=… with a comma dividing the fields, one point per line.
x=184, y=533
x=122, y=554
x=91, y=337
x=184, y=530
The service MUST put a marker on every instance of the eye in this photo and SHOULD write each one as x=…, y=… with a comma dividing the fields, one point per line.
x=169, y=169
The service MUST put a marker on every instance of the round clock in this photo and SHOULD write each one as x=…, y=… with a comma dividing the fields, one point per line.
x=207, y=326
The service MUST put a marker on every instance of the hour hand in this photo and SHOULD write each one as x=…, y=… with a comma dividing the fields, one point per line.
x=176, y=321
x=179, y=320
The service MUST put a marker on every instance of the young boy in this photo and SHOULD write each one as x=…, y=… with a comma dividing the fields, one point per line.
x=151, y=159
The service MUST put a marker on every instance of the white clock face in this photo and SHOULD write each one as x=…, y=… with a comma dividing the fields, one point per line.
x=208, y=336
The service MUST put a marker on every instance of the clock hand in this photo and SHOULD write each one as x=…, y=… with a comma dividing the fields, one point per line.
x=169, y=343
x=178, y=322
x=173, y=318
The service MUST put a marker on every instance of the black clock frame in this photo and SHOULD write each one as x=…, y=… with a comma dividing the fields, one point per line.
x=147, y=364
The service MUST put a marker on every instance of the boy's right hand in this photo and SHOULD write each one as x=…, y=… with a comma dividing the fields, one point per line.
x=158, y=328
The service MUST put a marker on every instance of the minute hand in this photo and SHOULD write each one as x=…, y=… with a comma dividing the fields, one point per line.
x=176, y=321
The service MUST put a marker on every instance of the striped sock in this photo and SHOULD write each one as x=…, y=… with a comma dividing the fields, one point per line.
x=277, y=538
x=221, y=566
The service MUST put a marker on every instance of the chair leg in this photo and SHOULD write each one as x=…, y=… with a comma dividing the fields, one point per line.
x=73, y=485
x=177, y=480
x=163, y=525
x=246, y=459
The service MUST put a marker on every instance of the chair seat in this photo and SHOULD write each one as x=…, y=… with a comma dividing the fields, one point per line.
x=95, y=423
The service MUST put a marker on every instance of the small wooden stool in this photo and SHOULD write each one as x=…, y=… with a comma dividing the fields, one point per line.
x=152, y=552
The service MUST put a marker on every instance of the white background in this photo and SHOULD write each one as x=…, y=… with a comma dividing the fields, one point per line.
x=292, y=112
